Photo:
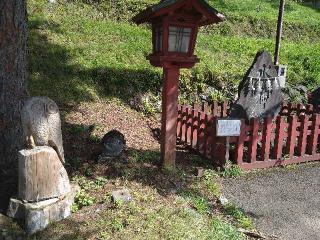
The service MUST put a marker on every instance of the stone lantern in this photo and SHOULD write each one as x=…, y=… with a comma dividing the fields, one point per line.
x=175, y=25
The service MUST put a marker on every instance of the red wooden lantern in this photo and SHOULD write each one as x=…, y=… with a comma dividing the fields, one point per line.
x=175, y=26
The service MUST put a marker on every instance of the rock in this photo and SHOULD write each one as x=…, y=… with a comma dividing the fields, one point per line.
x=41, y=175
x=121, y=196
x=113, y=144
x=223, y=200
x=260, y=93
x=200, y=172
x=37, y=216
x=42, y=125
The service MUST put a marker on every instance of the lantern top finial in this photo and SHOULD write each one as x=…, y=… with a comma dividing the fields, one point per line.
x=208, y=13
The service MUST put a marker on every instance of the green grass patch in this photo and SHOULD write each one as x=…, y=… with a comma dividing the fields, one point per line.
x=76, y=55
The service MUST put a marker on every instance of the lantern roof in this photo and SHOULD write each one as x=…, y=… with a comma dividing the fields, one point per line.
x=165, y=7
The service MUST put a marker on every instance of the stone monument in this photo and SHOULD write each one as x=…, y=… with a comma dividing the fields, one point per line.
x=260, y=93
x=45, y=194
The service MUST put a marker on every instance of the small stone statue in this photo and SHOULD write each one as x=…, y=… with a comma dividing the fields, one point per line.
x=41, y=124
x=113, y=144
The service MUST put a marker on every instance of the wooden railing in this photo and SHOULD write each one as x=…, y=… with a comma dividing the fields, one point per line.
x=292, y=137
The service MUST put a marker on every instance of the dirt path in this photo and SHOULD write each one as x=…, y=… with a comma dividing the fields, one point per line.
x=283, y=203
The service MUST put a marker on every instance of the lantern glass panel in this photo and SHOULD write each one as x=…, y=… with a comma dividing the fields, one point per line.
x=158, y=39
x=179, y=39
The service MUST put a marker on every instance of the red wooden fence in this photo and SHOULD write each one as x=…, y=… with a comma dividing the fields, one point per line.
x=292, y=137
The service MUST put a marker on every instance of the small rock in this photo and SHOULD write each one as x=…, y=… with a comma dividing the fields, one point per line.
x=200, y=172
x=121, y=196
x=113, y=144
x=223, y=200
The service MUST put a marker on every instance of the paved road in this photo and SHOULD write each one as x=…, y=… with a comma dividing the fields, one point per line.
x=284, y=203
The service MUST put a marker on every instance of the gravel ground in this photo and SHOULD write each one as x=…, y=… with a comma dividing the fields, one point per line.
x=282, y=202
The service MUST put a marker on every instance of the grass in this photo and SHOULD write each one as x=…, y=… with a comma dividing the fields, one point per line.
x=89, y=55
x=89, y=51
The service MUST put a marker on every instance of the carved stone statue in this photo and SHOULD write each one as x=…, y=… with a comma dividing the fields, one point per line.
x=42, y=125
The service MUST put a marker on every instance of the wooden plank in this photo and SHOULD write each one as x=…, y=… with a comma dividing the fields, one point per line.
x=254, y=140
x=195, y=123
x=183, y=124
x=240, y=143
x=205, y=134
x=274, y=163
x=292, y=135
x=266, y=139
x=213, y=140
x=215, y=109
x=179, y=124
x=302, y=140
x=224, y=109
x=312, y=146
x=201, y=132
x=189, y=125
x=279, y=138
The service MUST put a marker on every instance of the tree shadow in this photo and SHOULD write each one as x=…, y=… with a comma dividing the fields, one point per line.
x=54, y=73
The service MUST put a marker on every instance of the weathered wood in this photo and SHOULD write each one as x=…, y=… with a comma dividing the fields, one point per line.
x=266, y=138
x=41, y=175
x=254, y=140
x=278, y=142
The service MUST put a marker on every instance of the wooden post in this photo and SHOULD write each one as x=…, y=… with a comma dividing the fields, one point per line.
x=279, y=32
x=169, y=116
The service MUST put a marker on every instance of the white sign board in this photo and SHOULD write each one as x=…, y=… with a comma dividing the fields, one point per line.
x=228, y=127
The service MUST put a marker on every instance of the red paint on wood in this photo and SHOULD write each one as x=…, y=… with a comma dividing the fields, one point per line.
x=224, y=109
x=201, y=132
x=183, y=123
x=312, y=146
x=292, y=135
x=179, y=121
x=302, y=141
x=278, y=142
x=195, y=124
x=205, y=134
x=240, y=143
x=266, y=139
x=169, y=116
x=254, y=140
x=189, y=125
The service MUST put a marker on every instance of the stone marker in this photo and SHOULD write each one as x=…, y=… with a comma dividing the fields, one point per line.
x=113, y=144
x=260, y=93
x=41, y=175
x=121, y=196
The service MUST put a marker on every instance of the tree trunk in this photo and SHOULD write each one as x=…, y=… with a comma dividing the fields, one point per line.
x=13, y=74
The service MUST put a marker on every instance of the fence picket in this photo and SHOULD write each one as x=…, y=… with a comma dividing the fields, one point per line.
x=266, y=139
x=279, y=137
x=302, y=141
x=195, y=123
x=197, y=126
x=240, y=143
x=312, y=146
x=292, y=135
x=254, y=140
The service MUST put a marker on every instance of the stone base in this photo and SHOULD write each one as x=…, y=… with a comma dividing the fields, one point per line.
x=37, y=216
